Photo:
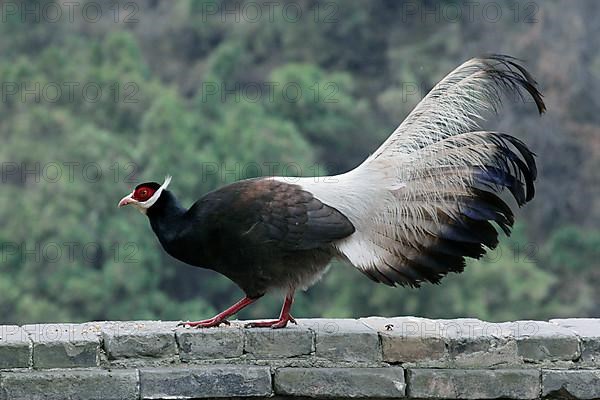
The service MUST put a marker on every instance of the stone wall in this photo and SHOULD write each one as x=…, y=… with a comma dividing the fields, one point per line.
x=338, y=358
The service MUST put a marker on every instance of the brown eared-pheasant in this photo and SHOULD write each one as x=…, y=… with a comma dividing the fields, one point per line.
x=436, y=191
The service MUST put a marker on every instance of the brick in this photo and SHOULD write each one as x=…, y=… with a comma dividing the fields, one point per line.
x=408, y=339
x=15, y=347
x=205, y=382
x=344, y=340
x=473, y=384
x=474, y=343
x=139, y=339
x=477, y=344
x=580, y=384
x=542, y=341
x=588, y=332
x=80, y=384
x=293, y=341
x=340, y=382
x=64, y=345
x=200, y=344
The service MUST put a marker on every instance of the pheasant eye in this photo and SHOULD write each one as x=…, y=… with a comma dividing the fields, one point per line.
x=143, y=194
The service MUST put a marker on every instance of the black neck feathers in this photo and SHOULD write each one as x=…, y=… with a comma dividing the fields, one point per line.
x=166, y=216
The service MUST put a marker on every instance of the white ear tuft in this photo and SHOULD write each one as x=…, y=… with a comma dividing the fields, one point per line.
x=167, y=182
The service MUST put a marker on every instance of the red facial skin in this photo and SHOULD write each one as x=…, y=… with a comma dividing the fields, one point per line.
x=143, y=193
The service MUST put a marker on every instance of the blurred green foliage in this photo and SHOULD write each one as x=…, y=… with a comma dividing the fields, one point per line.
x=211, y=100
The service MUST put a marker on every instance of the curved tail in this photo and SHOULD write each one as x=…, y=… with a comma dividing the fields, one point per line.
x=427, y=197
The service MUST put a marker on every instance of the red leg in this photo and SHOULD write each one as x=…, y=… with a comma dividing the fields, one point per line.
x=221, y=317
x=284, y=317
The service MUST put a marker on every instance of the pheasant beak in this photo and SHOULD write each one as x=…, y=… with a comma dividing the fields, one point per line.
x=127, y=200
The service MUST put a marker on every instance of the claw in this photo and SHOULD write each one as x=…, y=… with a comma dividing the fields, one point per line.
x=207, y=323
x=284, y=316
x=221, y=317
x=275, y=324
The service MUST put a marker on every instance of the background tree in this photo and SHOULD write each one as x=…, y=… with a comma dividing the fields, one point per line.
x=172, y=89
